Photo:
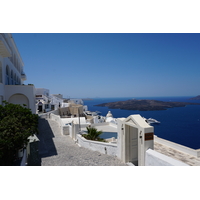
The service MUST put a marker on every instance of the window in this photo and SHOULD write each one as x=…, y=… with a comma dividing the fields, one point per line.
x=1, y=81
x=18, y=81
x=15, y=60
x=7, y=75
x=12, y=81
x=15, y=80
x=1, y=100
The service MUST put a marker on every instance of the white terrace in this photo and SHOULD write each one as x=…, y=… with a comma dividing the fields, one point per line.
x=134, y=145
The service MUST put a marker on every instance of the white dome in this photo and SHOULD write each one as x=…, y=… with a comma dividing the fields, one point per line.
x=109, y=119
x=109, y=114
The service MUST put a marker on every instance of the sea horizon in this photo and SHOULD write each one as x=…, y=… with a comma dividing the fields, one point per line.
x=179, y=124
x=138, y=97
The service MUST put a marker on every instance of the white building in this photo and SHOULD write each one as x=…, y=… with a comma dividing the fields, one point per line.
x=12, y=75
x=42, y=99
x=46, y=102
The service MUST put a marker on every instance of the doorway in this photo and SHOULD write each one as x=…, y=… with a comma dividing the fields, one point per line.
x=131, y=144
x=39, y=108
x=52, y=107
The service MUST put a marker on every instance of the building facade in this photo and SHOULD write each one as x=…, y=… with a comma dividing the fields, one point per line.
x=12, y=76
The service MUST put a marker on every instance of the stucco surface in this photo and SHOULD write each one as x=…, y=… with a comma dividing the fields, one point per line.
x=60, y=150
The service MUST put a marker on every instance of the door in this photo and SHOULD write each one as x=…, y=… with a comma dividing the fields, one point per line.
x=133, y=145
x=52, y=107
x=40, y=108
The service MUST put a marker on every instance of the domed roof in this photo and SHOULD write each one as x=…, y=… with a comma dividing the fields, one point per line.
x=110, y=119
x=109, y=114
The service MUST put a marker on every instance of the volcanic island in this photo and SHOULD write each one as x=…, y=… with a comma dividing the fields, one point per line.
x=195, y=98
x=144, y=105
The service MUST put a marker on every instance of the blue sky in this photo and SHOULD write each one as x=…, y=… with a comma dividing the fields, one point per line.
x=112, y=64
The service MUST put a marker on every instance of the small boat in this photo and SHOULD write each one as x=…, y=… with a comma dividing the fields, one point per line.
x=95, y=113
x=152, y=121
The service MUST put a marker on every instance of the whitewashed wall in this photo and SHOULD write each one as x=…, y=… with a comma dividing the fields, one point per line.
x=102, y=147
x=26, y=90
x=63, y=123
x=154, y=158
x=119, y=139
x=194, y=152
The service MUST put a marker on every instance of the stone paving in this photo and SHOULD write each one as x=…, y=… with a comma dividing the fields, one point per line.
x=60, y=150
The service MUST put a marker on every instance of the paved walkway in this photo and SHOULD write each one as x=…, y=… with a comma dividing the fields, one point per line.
x=60, y=150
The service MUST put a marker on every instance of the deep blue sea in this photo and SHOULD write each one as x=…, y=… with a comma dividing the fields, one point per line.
x=180, y=125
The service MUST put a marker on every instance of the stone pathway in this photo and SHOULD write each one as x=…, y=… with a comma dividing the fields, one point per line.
x=60, y=150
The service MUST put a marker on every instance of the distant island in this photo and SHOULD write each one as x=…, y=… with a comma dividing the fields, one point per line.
x=87, y=99
x=144, y=105
x=195, y=98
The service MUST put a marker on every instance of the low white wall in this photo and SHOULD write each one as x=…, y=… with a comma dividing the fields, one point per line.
x=48, y=114
x=66, y=130
x=154, y=158
x=194, y=152
x=69, y=120
x=63, y=129
x=56, y=118
x=104, y=124
x=102, y=147
x=56, y=112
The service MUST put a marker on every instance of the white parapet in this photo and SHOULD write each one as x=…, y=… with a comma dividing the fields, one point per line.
x=184, y=149
x=154, y=158
x=102, y=147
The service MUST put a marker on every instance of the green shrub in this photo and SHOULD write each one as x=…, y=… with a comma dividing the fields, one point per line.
x=17, y=123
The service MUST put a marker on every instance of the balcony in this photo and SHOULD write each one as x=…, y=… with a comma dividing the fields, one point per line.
x=4, y=48
x=23, y=76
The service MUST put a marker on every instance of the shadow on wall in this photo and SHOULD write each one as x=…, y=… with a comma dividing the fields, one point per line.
x=46, y=144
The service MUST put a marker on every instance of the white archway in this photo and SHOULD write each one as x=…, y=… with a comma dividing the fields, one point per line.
x=19, y=99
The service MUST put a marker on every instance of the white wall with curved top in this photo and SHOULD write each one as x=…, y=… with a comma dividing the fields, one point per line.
x=20, y=99
x=25, y=93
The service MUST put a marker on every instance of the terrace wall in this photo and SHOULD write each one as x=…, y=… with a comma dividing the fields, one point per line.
x=154, y=158
x=102, y=147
